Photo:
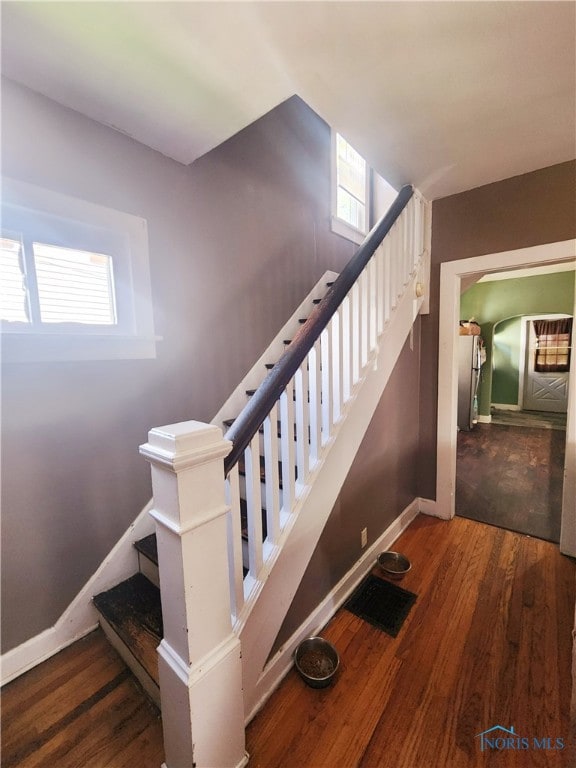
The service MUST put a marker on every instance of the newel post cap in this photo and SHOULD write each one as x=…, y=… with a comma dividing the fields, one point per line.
x=183, y=445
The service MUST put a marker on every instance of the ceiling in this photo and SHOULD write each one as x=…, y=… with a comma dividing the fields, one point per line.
x=445, y=95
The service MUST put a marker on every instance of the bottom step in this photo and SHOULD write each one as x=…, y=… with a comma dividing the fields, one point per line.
x=131, y=617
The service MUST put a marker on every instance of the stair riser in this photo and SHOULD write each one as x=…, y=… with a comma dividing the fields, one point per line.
x=148, y=684
x=148, y=569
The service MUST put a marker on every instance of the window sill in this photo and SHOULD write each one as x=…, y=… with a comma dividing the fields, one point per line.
x=342, y=228
x=44, y=348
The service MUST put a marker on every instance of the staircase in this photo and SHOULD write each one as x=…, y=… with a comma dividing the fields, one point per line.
x=131, y=612
x=238, y=518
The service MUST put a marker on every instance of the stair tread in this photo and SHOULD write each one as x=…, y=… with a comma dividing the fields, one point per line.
x=134, y=611
x=148, y=547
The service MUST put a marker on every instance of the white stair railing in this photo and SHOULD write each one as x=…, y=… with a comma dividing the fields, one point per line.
x=299, y=428
x=202, y=517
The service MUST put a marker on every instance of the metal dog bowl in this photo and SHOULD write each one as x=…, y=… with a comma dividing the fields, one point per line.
x=316, y=661
x=394, y=564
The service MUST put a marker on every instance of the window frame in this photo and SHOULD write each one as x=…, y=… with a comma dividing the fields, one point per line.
x=338, y=225
x=132, y=337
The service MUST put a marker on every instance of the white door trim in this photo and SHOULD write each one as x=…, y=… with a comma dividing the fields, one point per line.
x=451, y=274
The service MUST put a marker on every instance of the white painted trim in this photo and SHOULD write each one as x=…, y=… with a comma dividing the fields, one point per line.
x=428, y=507
x=80, y=617
x=282, y=662
x=568, y=527
x=484, y=419
x=450, y=278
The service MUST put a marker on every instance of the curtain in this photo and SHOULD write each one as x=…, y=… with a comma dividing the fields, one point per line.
x=553, y=343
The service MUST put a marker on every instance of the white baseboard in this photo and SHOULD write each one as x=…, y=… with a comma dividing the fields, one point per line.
x=282, y=662
x=80, y=617
x=428, y=507
x=484, y=419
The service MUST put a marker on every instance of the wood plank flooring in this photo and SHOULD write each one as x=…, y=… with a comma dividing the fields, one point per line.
x=487, y=643
x=80, y=709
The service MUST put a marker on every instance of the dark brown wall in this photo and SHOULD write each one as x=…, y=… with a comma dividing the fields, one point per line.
x=527, y=210
x=381, y=483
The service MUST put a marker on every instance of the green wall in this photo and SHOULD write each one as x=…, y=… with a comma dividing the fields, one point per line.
x=498, y=306
x=506, y=361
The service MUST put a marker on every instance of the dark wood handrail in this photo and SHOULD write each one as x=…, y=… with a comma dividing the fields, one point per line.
x=252, y=416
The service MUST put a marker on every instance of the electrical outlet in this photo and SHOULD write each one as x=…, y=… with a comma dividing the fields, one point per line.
x=363, y=537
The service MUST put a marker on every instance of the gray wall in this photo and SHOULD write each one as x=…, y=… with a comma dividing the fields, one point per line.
x=526, y=210
x=380, y=484
x=236, y=242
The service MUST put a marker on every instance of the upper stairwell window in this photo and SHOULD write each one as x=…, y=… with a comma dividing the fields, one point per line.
x=351, y=190
x=74, y=281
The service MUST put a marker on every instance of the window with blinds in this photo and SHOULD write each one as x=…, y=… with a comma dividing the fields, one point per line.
x=52, y=284
x=74, y=279
x=351, y=185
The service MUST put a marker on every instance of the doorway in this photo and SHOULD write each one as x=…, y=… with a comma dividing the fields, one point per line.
x=451, y=276
x=509, y=469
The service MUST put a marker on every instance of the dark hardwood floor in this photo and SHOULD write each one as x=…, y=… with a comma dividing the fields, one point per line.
x=511, y=476
x=488, y=642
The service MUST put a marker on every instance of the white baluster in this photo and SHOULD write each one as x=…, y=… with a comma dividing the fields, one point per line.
x=413, y=226
x=380, y=295
x=235, y=543
x=287, y=448
x=355, y=330
x=372, y=304
x=336, y=345
x=254, y=505
x=386, y=277
x=395, y=254
x=315, y=389
x=420, y=232
x=272, y=488
x=347, y=376
x=302, y=417
x=408, y=215
x=364, y=312
x=326, y=356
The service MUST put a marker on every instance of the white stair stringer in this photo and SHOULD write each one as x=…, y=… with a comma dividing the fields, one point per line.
x=271, y=594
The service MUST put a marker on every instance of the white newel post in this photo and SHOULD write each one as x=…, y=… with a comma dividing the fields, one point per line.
x=199, y=658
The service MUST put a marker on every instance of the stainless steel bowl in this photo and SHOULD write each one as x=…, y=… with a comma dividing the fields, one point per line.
x=394, y=564
x=316, y=661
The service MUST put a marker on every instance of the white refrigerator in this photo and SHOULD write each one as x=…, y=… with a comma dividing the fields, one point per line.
x=469, y=364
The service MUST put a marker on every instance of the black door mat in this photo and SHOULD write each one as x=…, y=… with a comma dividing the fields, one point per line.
x=382, y=604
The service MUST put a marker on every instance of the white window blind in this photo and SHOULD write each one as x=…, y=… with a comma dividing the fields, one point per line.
x=74, y=286
x=351, y=185
x=13, y=296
